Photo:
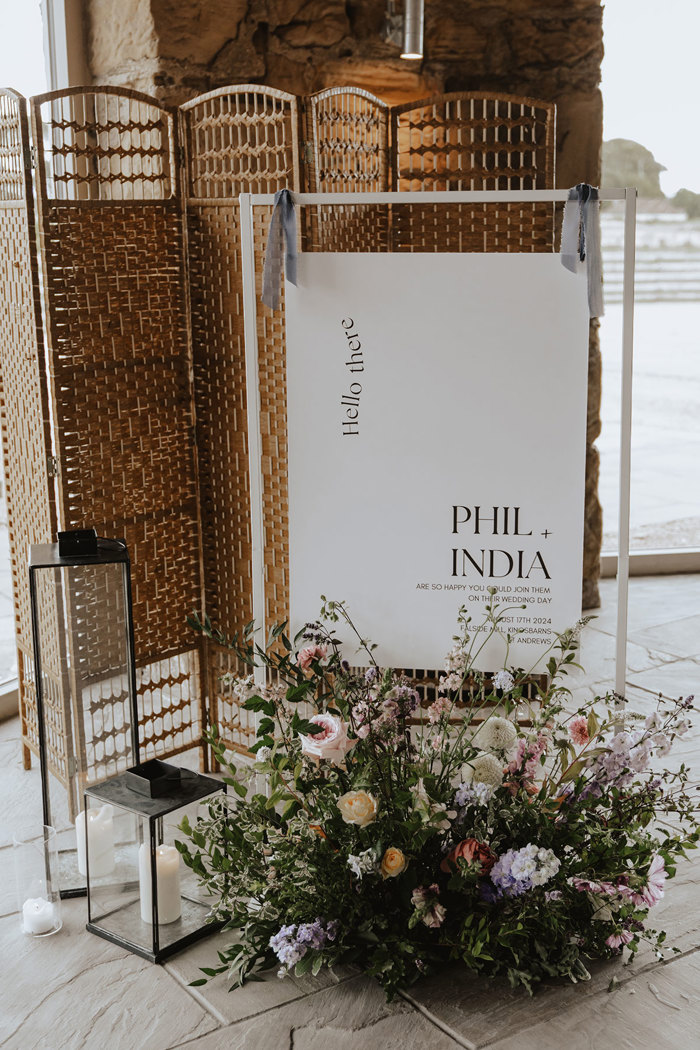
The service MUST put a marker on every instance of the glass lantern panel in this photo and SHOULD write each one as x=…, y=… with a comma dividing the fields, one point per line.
x=120, y=890
x=85, y=654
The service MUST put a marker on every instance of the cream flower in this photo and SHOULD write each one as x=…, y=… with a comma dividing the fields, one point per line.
x=393, y=863
x=357, y=807
x=496, y=734
x=484, y=769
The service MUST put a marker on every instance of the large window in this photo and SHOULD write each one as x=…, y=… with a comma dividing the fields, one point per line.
x=649, y=115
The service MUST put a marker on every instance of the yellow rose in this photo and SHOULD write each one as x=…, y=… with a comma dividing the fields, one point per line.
x=357, y=807
x=393, y=863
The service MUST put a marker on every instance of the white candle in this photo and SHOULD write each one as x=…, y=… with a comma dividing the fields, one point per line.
x=100, y=837
x=168, y=882
x=38, y=915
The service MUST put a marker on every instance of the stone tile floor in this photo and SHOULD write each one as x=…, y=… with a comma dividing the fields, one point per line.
x=74, y=990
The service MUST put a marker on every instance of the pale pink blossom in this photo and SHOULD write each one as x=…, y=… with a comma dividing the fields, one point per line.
x=435, y=916
x=331, y=743
x=654, y=889
x=362, y=731
x=305, y=657
x=616, y=940
x=436, y=743
x=578, y=731
x=437, y=709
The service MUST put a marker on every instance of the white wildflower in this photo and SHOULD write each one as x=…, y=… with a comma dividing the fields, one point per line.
x=362, y=864
x=503, y=680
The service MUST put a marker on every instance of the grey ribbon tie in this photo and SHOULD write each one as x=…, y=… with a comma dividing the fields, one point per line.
x=580, y=241
x=281, y=249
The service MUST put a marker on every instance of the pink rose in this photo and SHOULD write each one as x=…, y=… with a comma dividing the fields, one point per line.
x=472, y=851
x=331, y=743
x=305, y=657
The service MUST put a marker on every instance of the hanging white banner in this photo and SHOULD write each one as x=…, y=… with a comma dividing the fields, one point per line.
x=437, y=422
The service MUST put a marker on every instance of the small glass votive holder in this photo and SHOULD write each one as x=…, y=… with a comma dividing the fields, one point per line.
x=35, y=849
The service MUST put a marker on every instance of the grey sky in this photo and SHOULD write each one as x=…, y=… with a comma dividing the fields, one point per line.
x=650, y=82
x=22, y=47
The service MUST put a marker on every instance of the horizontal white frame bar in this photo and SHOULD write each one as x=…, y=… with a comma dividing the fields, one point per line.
x=436, y=197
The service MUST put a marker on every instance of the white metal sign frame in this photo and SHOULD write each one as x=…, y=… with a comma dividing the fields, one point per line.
x=248, y=201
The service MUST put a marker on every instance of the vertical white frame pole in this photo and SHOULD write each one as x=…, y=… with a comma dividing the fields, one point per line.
x=623, y=557
x=250, y=335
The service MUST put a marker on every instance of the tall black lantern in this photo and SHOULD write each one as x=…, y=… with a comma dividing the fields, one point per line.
x=150, y=903
x=85, y=681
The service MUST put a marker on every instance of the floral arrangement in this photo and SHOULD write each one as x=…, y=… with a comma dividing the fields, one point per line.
x=496, y=827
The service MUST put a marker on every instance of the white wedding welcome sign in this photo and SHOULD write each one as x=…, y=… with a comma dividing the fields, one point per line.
x=437, y=421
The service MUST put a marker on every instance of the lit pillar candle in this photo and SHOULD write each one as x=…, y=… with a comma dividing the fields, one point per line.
x=100, y=838
x=168, y=882
x=38, y=915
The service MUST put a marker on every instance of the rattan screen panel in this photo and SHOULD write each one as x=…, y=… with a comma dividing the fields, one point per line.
x=111, y=223
x=241, y=139
x=346, y=150
x=238, y=139
x=474, y=142
x=24, y=417
x=105, y=144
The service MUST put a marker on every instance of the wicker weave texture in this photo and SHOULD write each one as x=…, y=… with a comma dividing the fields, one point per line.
x=239, y=139
x=24, y=412
x=111, y=223
x=473, y=142
x=108, y=144
x=347, y=136
x=242, y=139
x=346, y=150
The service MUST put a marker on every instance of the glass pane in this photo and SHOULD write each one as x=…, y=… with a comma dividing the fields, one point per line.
x=85, y=658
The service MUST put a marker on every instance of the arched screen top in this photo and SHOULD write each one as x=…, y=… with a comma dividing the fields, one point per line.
x=12, y=143
x=241, y=139
x=348, y=132
x=106, y=144
x=464, y=141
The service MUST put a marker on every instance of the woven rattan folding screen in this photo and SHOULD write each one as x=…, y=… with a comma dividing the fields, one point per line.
x=140, y=249
x=112, y=236
x=242, y=139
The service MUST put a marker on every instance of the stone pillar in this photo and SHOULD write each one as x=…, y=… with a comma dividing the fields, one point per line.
x=548, y=49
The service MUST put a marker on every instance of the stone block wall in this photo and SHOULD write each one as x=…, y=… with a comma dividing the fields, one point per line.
x=548, y=49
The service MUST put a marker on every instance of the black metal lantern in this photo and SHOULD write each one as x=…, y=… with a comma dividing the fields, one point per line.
x=149, y=902
x=85, y=682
